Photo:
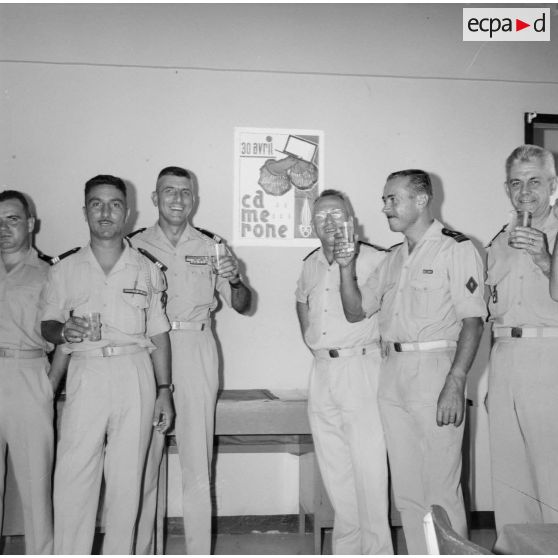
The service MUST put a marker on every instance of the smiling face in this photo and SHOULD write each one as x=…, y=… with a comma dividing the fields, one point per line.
x=530, y=185
x=402, y=205
x=328, y=214
x=106, y=211
x=15, y=227
x=175, y=198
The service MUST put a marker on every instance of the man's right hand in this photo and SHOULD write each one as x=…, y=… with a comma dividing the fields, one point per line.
x=75, y=329
x=344, y=252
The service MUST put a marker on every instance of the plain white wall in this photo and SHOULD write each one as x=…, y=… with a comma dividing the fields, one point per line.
x=128, y=89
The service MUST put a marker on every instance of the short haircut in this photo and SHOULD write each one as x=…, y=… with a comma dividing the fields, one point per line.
x=526, y=153
x=177, y=171
x=7, y=195
x=100, y=179
x=331, y=193
x=419, y=181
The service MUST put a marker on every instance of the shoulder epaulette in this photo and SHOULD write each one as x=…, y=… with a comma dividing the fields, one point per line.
x=394, y=246
x=132, y=234
x=498, y=234
x=379, y=248
x=44, y=257
x=457, y=236
x=214, y=237
x=152, y=258
x=308, y=255
x=59, y=258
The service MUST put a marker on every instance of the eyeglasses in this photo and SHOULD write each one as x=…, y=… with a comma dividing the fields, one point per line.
x=335, y=214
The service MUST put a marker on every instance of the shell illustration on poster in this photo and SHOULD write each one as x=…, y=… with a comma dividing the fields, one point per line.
x=278, y=176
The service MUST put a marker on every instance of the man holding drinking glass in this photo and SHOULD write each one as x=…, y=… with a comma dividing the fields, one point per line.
x=342, y=398
x=523, y=385
x=197, y=265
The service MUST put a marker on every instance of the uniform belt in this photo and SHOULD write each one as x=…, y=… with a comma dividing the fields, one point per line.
x=419, y=346
x=530, y=332
x=353, y=351
x=108, y=351
x=21, y=353
x=194, y=326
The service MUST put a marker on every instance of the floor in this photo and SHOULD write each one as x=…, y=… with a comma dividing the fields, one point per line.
x=263, y=536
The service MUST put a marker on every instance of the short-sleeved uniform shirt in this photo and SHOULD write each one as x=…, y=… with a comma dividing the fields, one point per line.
x=20, y=327
x=519, y=292
x=128, y=298
x=424, y=295
x=318, y=286
x=191, y=282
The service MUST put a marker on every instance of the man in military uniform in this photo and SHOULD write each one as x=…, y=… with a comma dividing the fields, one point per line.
x=187, y=254
x=342, y=400
x=26, y=409
x=118, y=386
x=428, y=290
x=523, y=385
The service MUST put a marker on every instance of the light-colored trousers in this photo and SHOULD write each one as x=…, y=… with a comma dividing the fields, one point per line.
x=349, y=444
x=424, y=458
x=523, y=421
x=106, y=424
x=26, y=429
x=195, y=377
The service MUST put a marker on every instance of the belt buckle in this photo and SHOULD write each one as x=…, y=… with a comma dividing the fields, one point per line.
x=108, y=351
x=516, y=332
x=333, y=353
x=397, y=347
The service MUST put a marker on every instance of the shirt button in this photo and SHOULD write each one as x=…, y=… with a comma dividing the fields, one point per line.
x=323, y=332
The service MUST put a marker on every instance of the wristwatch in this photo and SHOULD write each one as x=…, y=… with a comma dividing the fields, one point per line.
x=170, y=387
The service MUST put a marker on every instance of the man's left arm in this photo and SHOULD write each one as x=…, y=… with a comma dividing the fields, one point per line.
x=241, y=295
x=163, y=414
x=466, y=284
x=451, y=402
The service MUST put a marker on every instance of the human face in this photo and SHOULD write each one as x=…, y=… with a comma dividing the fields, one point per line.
x=327, y=217
x=529, y=186
x=15, y=227
x=174, y=197
x=401, y=204
x=106, y=212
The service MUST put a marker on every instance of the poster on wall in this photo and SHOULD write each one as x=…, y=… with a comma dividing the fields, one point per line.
x=278, y=175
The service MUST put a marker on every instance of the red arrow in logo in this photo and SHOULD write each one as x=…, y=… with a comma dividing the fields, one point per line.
x=519, y=24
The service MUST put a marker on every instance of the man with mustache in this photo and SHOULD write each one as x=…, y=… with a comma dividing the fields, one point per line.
x=117, y=386
x=195, y=273
x=428, y=291
x=26, y=409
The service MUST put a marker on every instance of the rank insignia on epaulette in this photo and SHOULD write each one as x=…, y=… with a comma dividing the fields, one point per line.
x=211, y=235
x=457, y=236
x=375, y=246
x=197, y=260
x=153, y=259
x=59, y=258
x=132, y=234
x=503, y=229
x=308, y=255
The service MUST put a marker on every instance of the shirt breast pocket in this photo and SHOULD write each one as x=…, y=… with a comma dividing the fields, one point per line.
x=200, y=283
x=427, y=294
x=131, y=312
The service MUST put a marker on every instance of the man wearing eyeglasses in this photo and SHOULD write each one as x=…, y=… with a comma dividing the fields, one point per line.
x=342, y=400
x=523, y=384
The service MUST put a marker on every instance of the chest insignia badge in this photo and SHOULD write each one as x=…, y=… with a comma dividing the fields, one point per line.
x=471, y=285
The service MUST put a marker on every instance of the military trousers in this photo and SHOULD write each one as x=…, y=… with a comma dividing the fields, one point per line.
x=424, y=458
x=27, y=432
x=105, y=427
x=523, y=423
x=351, y=453
x=196, y=381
